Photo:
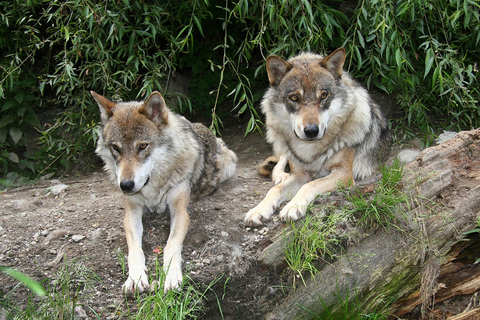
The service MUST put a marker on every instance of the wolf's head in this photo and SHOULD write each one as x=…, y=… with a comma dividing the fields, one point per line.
x=132, y=137
x=308, y=87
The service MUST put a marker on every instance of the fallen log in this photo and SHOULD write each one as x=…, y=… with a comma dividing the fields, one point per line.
x=473, y=314
x=392, y=264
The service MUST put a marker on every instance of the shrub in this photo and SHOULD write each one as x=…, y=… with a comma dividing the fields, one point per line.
x=54, y=52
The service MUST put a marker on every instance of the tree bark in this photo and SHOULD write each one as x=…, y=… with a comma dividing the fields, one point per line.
x=391, y=264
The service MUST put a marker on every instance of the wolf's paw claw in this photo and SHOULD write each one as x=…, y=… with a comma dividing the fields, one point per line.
x=140, y=285
x=279, y=177
x=254, y=221
x=173, y=280
x=292, y=213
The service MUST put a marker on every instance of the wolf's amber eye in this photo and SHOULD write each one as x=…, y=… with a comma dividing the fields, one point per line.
x=115, y=147
x=293, y=97
x=324, y=95
x=142, y=146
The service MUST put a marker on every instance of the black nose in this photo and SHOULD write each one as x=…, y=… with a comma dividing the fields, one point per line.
x=311, y=130
x=127, y=185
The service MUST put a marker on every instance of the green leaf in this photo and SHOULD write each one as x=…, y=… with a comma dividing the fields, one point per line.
x=7, y=119
x=16, y=134
x=12, y=156
x=308, y=7
x=31, y=284
x=19, y=97
x=398, y=57
x=32, y=119
x=7, y=105
x=199, y=25
x=361, y=39
x=429, y=59
x=359, y=57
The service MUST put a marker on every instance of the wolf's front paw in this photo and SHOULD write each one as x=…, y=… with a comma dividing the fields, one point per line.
x=257, y=216
x=173, y=280
x=137, y=281
x=293, y=212
x=279, y=176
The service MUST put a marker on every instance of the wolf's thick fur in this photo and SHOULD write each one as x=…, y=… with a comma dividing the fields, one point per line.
x=158, y=159
x=323, y=125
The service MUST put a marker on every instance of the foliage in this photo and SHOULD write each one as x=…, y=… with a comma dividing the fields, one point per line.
x=55, y=52
x=425, y=52
x=124, y=49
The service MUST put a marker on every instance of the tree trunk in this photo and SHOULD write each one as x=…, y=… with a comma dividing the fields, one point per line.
x=404, y=264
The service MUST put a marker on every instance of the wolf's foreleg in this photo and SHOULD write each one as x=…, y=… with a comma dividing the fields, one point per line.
x=275, y=197
x=278, y=173
x=137, y=277
x=340, y=167
x=177, y=200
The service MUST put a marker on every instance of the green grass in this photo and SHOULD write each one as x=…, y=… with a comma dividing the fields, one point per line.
x=75, y=283
x=312, y=239
x=380, y=208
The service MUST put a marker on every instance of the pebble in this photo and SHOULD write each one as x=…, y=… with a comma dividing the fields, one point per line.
x=35, y=236
x=77, y=238
x=263, y=231
x=96, y=234
x=57, y=189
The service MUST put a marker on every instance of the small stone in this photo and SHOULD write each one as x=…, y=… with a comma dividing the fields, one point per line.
x=77, y=238
x=57, y=189
x=35, y=236
x=96, y=234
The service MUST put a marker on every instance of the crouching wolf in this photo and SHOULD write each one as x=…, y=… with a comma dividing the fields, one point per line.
x=158, y=159
x=323, y=125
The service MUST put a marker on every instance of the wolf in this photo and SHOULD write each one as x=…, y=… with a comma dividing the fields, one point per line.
x=158, y=159
x=324, y=128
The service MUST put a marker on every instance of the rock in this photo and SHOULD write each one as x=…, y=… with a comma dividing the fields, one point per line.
x=445, y=136
x=407, y=155
x=57, y=189
x=77, y=238
x=80, y=312
x=95, y=234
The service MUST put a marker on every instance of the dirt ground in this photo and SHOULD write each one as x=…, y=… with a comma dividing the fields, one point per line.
x=83, y=222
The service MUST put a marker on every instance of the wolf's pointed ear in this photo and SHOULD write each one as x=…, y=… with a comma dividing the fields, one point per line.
x=155, y=109
x=276, y=69
x=106, y=106
x=334, y=62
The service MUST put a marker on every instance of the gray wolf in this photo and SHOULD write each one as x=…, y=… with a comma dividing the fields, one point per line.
x=323, y=126
x=158, y=159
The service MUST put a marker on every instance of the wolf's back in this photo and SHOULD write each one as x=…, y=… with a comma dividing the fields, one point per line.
x=219, y=163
